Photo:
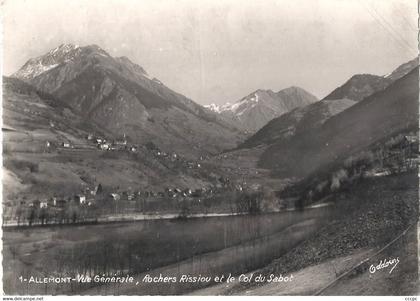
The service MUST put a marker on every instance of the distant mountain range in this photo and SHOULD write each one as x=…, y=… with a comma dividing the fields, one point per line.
x=255, y=110
x=310, y=138
x=72, y=91
x=314, y=115
x=379, y=116
x=119, y=96
x=307, y=138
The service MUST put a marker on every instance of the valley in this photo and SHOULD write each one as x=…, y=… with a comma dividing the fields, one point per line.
x=106, y=171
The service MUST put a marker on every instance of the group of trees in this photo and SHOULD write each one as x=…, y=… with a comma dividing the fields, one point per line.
x=249, y=202
x=71, y=213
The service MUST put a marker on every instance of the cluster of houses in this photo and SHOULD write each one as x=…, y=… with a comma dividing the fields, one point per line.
x=113, y=145
x=174, y=157
x=104, y=144
x=91, y=197
x=96, y=197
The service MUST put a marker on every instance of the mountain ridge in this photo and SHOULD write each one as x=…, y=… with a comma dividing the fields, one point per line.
x=360, y=86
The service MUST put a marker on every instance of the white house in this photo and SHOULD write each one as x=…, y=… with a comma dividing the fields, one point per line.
x=105, y=146
x=116, y=196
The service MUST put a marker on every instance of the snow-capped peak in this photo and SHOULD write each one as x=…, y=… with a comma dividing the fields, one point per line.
x=213, y=107
x=242, y=105
x=259, y=107
x=41, y=64
x=63, y=49
x=237, y=107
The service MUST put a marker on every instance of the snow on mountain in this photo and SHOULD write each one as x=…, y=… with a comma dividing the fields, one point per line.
x=213, y=107
x=41, y=64
x=255, y=110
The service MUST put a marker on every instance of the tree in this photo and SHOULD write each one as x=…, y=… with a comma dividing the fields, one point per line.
x=100, y=189
x=31, y=216
x=43, y=215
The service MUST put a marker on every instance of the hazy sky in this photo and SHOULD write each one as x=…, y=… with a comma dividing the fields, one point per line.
x=221, y=50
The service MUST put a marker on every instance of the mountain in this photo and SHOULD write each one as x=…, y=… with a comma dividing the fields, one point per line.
x=255, y=110
x=360, y=86
x=297, y=121
x=119, y=96
x=36, y=164
x=39, y=65
x=306, y=118
x=278, y=142
x=369, y=121
x=403, y=69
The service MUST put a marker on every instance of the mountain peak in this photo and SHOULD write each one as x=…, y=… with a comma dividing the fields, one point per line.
x=257, y=108
x=296, y=92
x=59, y=55
x=359, y=86
x=292, y=88
x=36, y=66
x=64, y=48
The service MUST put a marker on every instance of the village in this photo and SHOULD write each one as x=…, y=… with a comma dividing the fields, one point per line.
x=97, y=201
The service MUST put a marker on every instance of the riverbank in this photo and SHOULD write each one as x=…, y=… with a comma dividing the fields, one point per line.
x=135, y=217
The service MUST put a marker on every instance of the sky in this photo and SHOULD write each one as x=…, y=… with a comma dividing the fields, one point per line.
x=218, y=51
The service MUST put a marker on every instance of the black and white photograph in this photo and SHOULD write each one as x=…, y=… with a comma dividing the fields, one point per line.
x=210, y=148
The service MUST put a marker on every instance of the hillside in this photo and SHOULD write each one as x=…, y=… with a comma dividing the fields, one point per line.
x=376, y=117
x=32, y=118
x=255, y=110
x=122, y=98
x=403, y=69
x=47, y=153
x=360, y=86
x=297, y=122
